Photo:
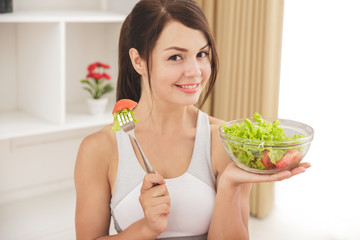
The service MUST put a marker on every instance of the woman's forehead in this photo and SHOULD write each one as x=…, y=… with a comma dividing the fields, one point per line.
x=175, y=34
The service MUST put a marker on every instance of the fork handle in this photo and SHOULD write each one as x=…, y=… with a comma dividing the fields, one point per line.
x=147, y=164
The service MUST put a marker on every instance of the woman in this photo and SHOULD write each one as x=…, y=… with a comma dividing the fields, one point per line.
x=167, y=58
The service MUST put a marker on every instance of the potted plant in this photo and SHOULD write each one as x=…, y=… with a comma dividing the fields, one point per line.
x=96, y=84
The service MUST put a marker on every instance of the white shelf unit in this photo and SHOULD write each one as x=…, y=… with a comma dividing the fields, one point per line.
x=43, y=56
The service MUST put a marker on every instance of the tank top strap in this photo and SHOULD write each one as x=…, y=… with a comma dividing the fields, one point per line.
x=200, y=165
x=128, y=168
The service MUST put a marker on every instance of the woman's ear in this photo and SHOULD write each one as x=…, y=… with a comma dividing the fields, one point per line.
x=137, y=61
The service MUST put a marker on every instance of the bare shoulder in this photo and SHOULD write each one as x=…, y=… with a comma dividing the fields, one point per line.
x=216, y=121
x=219, y=157
x=98, y=143
x=95, y=151
x=92, y=186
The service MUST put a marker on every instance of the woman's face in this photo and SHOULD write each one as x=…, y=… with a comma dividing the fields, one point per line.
x=180, y=65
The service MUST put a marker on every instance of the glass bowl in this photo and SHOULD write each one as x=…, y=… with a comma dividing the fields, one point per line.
x=253, y=155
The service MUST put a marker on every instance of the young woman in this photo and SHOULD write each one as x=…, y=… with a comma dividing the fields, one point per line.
x=167, y=58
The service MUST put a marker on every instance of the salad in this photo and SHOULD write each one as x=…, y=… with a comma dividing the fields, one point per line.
x=261, y=145
x=125, y=107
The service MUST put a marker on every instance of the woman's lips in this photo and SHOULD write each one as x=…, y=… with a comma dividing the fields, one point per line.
x=189, y=88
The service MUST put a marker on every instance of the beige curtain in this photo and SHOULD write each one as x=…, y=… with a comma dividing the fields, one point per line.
x=248, y=38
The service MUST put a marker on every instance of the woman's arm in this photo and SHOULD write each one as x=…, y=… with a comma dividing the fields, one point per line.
x=92, y=218
x=231, y=212
x=93, y=195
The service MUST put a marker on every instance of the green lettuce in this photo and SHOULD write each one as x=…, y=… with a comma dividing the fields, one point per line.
x=116, y=125
x=260, y=130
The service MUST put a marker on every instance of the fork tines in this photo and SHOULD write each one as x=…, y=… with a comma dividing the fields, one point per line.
x=125, y=119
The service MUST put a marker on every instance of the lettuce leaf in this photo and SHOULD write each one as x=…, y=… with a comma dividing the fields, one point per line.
x=116, y=125
x=260, y=130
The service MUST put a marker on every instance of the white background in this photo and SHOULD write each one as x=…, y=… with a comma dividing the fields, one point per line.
x=320, y=76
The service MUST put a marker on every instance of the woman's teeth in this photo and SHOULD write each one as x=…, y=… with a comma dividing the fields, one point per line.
x=188, y=86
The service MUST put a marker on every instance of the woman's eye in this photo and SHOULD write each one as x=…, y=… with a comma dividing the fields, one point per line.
x=175, y=58
x=202, y=54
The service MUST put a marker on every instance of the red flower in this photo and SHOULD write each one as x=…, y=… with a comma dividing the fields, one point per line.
x=107, y=76
x=96, y=76
x=103, y=65
x=91, y=67
x=94, y=65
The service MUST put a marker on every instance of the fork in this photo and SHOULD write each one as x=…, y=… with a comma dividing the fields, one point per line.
x=127, y=124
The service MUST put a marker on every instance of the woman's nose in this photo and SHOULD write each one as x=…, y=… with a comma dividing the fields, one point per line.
x=192, y=69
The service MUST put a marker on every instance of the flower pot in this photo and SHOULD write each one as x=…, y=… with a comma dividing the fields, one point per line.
x=97, y=106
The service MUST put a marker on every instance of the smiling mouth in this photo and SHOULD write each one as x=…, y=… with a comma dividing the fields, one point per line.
x=188, y=86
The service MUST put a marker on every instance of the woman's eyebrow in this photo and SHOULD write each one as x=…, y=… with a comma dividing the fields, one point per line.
x=182, y=49
x=176, y=48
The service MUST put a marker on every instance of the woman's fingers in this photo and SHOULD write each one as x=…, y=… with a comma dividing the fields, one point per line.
x=305, y=165
x=157, y=191
x=155, y=201
x=148, y=202
x=151, y=195
x=150, y=180
x=150, y=205
x=287, y=174
x=237, y=175
x=161, y=209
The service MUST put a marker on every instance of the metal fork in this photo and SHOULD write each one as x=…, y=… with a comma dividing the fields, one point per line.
x=127, y=124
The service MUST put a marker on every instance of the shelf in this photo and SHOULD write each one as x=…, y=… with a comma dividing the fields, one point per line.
x=77, y=117
x=61, y=16
x=44, y=56
x=14, y=124
x=18, y=124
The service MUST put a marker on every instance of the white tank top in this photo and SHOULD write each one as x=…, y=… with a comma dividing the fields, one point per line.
x=192, y=194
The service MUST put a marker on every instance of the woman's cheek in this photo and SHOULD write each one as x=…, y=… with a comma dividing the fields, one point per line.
x=207, y=71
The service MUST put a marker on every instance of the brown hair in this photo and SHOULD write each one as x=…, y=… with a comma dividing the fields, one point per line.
x=142, y=28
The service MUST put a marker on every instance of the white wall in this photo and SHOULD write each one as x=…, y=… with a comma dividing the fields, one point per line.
x=320, y=75
x=121, y=6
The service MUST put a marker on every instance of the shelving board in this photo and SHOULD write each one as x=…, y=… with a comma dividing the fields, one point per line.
x=44, y=56
x=14, y=124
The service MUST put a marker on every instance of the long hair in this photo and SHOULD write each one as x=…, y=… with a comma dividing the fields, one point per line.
x=142, y=28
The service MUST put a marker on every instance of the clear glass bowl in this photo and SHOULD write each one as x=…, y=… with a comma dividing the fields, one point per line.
x=290, y=152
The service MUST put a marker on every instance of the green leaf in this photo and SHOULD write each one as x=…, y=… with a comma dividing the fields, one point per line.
x=116, y=124
x=107, y=88
x=86, y=81
x=89, y=90
x=259, y=130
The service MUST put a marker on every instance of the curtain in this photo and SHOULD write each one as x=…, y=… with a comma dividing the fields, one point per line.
x=248, y=39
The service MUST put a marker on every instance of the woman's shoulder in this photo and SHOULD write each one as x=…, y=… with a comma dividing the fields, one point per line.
x=98, y=145
x=215, y=123
x=101, y=137
x=219, y=157
x=92, y=166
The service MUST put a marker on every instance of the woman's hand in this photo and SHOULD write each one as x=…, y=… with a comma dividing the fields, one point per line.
x=155, y=202
x=235, y=176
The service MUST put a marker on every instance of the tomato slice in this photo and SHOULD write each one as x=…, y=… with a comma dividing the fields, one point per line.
x=266, y=160
x=124, y=104
x=291, y=157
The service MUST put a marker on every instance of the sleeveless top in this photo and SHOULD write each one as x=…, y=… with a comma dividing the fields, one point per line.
x=192, y=194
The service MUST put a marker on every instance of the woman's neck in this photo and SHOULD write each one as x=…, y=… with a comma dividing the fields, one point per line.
x=164, y=117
